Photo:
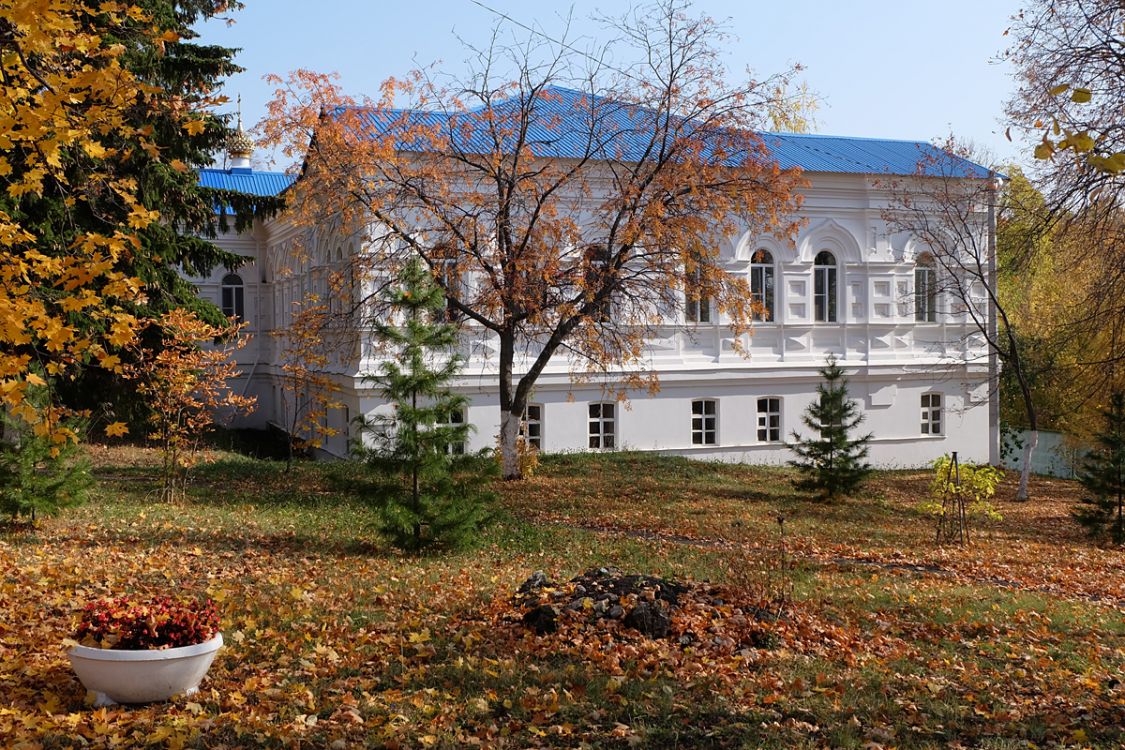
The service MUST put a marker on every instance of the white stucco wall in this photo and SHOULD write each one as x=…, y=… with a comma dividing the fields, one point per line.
x=890, y=359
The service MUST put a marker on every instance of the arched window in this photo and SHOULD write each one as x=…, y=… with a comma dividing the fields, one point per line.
x=233, y=298
x=761, y=284
x=925, y=290
x=697, y=305
x=598, y=280
x=824, y=287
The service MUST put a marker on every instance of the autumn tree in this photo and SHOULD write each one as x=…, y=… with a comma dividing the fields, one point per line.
x=1048, y=283
x=306, y=378
x=437, y=490
x=104, y=116
x=185, y=381
x=831, y=460
x=562, y=200
x=67, y=103
x=950, y=211
x=183, y=132
x=1069, y=58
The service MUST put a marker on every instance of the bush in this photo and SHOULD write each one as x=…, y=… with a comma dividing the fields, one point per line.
x=1101, y=511
x=959, y=493
x=159, y=622
x=39, y=476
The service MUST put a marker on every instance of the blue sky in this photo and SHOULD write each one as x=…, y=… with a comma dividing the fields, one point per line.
x=883, y=68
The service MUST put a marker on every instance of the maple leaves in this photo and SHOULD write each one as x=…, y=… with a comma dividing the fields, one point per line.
x=65, y=91
x=335, y=642
x=186, y=386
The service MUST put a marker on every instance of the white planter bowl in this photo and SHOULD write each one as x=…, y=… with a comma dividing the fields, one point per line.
x=143, y=676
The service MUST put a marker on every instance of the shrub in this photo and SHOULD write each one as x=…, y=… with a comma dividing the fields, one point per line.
x=39, y=476
x=1101, y=511
x=960, y=492
x=159, y=622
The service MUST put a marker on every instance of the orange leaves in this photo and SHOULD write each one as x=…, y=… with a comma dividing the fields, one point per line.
x=385, y=651
x=186, y=384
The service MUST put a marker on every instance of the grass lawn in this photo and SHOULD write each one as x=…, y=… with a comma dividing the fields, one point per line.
x=1016, y=641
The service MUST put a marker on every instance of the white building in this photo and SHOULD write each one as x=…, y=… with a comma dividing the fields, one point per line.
x=847, y=285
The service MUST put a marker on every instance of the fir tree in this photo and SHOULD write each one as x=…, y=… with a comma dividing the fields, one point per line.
x=39, y=476
x=831, y=464
x=1102, y=511
x=188, y=76
x=437, y=493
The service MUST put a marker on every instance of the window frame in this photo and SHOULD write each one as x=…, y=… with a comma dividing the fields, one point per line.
x=763, y=285
x=526, y=424
x=598, y=260
x=707, y=431
x=601, y=421
x=826, y=303
x=454, y=417
x=451, y=280
x=925, y=302
x=764, y=430
x=933, y=416
x=233, y=285
x=697, y=305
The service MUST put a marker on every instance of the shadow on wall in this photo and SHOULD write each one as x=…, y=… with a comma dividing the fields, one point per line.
x=1056, y=455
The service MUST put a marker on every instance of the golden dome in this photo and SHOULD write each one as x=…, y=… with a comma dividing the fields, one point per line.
x=240, y=144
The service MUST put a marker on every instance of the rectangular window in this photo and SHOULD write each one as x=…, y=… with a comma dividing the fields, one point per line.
x=824, y=294
x=531, y=427
x=698, y=304
x=602, y=426
x=769, y=420
x=761, y=291
x=925, y=295
x=455, y=418
x=449, y=279
x=931, y=414
x=234, y=302
x=599, y=281
x=704, y=420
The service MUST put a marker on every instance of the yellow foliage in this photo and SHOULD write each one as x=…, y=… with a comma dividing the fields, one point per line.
x=64, y=90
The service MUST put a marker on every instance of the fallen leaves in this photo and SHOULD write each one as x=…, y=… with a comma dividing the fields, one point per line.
x=334, y=642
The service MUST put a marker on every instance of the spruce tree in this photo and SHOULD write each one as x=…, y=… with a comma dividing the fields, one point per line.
x=39, y=476
x=187, y=76
x=830, y=462
x=435, y=493
x=1102, y=510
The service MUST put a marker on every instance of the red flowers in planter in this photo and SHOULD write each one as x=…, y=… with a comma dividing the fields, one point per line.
x=158, y=622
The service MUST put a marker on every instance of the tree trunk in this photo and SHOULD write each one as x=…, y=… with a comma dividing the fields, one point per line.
x=511, y=412
x=1023, y=493
x=509, y=448
x=1025, y=474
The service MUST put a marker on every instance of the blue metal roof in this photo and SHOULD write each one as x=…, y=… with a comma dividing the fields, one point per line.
x=572, y=124
x=245, y=181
